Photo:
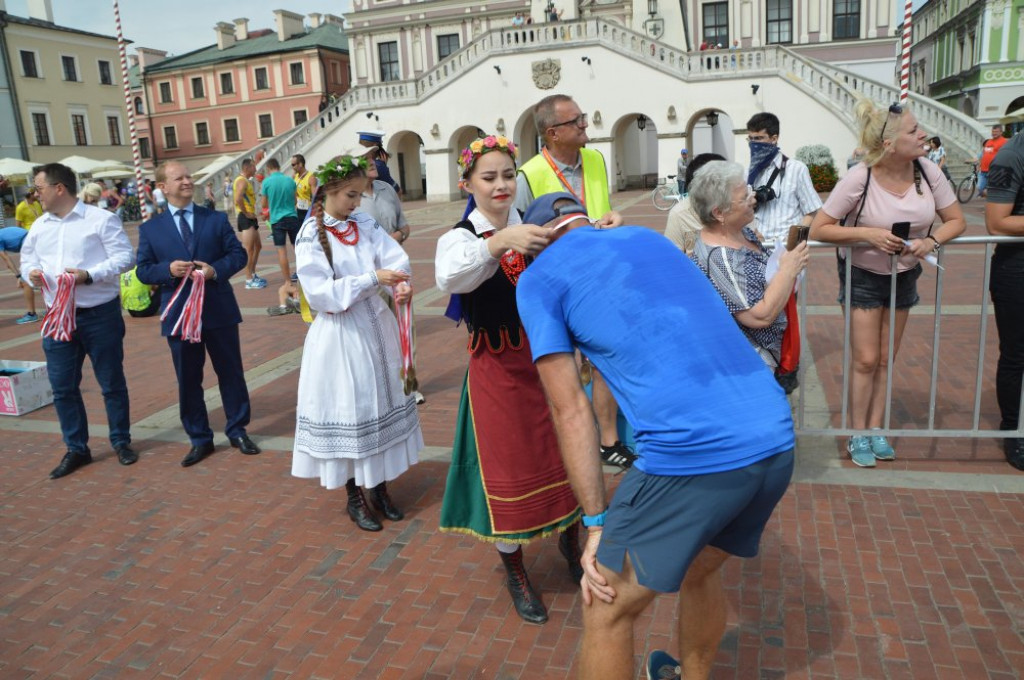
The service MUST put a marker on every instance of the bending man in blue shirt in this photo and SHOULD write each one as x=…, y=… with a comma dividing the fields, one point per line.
x=713, y=429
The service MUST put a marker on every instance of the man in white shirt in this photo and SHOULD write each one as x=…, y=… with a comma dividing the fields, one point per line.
x=783, y=187
x=90, y=243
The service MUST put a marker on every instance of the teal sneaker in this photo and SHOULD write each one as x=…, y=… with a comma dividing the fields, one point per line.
x=860, y=451
x=881, y=448
x=661, y=666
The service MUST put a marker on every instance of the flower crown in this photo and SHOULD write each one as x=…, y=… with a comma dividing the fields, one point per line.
x=340, y=168
x=470, y=155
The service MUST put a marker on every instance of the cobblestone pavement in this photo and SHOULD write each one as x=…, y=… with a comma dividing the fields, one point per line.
x=233, y=569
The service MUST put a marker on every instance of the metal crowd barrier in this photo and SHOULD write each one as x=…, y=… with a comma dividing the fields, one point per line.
x=930, y=430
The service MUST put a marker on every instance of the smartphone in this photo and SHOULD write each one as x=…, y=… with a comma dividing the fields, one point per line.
x=797, y=234
x=901, y=229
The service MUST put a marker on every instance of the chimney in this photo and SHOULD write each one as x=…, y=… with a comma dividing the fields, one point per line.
x=288, y=24
x=315, y=19
x=241, y=29
x=225, y=35
x=41, y=9
x=148, y=57
x=333, y=19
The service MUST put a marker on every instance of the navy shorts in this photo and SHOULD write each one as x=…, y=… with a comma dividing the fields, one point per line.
x=662, y=522
x=286, y=228
x=871, y=291
x=245, y=222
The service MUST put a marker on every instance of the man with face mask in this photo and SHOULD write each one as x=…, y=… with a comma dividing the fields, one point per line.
x=782, y=185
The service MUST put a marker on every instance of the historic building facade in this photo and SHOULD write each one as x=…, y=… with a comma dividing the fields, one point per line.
x=247, y=87
x=969, y=55
x=67, y=87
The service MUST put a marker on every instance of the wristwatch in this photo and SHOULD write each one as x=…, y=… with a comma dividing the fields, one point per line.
x=938, y=246
x=88, y=278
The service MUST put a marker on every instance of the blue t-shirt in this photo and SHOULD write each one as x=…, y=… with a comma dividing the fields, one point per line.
x=11, y=239
x=280, y=192
x=698, y=396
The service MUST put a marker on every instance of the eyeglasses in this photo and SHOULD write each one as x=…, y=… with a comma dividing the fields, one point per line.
x=579, y=121
x=895, y=109
x=39, y=189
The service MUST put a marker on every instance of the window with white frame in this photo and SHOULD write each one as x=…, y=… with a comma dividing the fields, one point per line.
x=388, y=56
x=80, y=129
x=227, y=83
x=846, y=19
x=165, y=92
x=202, y=133
x=138, y=106
x=266, y=125
x=779, y=24
x=41, y=128
x=114, y=130
x=198, y=90
x=231, y=130
x=144, y=147
x=106, y=76
x=70, y=66
x=29, y=64
x=260, y=78
x=299, y=116
x=298, y=75
x=170, y=137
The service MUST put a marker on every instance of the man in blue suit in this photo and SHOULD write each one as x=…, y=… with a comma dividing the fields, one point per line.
x=186, y=237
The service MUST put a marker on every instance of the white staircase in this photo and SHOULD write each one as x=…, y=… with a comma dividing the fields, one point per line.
x=831, y=86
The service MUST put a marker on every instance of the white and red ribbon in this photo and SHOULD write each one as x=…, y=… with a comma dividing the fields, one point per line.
x=59, y=321
x=190, y=322
x=408, y=340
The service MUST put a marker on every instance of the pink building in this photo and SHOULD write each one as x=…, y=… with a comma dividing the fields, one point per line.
x=245, y=89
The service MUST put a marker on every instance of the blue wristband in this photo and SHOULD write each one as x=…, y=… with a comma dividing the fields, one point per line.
x=594, y=520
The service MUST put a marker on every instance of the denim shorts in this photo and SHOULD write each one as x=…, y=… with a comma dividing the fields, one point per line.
x=663, y=522
x=871, y=291
x=287, y=228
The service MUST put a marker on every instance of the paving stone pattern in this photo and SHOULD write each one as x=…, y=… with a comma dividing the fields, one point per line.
x=233, y=569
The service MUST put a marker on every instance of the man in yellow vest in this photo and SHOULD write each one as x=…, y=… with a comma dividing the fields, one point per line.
x=138, y=298
x=247, y=224
x=564, y=164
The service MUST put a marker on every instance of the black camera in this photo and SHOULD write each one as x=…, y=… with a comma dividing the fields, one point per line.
x=763, y=194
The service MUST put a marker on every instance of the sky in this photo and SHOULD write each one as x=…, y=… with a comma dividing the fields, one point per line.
x=173, y=25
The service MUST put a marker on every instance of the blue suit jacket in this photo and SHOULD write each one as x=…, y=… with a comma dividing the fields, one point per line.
x=213, y=242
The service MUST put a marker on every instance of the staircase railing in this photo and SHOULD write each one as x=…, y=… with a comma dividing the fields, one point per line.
x=834, y=87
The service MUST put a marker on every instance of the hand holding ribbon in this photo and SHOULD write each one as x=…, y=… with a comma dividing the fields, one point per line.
x=190, y=322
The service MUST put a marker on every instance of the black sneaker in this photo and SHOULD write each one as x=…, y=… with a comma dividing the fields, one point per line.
x=618, y=454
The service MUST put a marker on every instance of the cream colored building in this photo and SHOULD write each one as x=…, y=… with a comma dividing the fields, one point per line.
x=69, y=88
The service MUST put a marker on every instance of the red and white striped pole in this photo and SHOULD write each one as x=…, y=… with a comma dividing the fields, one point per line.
x=905, y=61
x=132, y=134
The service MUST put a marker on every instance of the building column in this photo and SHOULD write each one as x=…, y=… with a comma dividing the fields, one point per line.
x=440, y=187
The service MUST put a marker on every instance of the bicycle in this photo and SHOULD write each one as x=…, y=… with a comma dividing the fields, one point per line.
x=968, y=185
x=666, y=194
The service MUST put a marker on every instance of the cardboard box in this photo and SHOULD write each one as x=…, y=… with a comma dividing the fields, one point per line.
x=26, y=390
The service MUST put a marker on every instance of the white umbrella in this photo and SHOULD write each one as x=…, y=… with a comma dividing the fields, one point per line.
x=114, y=174
x=1015, y=116
x=215, y=164
x=15, y=166
x=87, y=166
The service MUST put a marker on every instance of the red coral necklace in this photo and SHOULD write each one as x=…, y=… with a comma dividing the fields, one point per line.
x=349, y=237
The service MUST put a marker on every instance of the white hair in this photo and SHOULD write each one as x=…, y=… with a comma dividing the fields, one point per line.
x=712, y=188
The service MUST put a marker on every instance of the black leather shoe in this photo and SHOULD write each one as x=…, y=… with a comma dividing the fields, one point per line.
x=196, y=454
x=1014, y=449
x=381, y=502
x=245, y=445
x=126, y=455
x=70, y=462
x=361, y=514
x=525, y=599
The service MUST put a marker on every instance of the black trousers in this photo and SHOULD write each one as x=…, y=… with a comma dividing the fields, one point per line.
x=1007, y=289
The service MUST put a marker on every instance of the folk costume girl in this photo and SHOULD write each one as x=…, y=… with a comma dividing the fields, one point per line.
x=355, y=424
x=506, y=483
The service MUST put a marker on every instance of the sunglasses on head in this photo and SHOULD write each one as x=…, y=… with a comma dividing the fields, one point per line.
x=895, y=109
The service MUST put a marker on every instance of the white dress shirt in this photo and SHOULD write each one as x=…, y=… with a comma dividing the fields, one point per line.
x=795, y=197
x=88, y=238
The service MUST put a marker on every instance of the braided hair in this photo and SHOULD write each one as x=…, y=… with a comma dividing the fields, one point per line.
x=333, y=183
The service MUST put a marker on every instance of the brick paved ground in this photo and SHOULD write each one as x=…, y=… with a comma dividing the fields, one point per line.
x=232, y=569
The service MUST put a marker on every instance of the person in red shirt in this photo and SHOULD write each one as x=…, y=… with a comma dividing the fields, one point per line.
x=988, y=152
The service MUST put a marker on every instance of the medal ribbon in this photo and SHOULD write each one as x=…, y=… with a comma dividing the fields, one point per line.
x=59, y=321
x=190, y=322
x=408, y=340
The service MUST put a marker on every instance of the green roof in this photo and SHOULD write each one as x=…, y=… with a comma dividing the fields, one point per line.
x=327, y=36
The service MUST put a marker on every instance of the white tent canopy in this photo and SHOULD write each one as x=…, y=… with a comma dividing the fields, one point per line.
x=10, y=167
x=1015, y=116
x=87, y=166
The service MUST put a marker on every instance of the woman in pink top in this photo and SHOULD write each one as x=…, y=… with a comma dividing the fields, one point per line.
x=893, y=184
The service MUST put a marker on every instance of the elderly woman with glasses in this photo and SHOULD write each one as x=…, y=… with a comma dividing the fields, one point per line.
x=889, y=201
x=729, y=253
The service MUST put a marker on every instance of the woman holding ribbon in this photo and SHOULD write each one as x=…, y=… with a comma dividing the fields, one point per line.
x=355, y=426
x=506, y=484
